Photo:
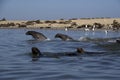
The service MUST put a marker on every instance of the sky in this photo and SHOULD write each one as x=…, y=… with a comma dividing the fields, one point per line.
x=58, y=9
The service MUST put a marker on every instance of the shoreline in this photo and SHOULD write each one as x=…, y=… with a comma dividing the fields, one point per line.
x=83, y=29
x=71, y=24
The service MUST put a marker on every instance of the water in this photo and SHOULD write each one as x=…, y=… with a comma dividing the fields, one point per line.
x=16, y=62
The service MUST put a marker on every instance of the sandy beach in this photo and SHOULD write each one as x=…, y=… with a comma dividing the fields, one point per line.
x=100, y=23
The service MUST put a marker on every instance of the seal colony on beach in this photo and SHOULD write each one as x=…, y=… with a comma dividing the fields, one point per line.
x=93, y=24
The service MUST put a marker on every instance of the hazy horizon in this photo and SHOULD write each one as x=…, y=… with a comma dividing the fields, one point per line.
x=57, y=9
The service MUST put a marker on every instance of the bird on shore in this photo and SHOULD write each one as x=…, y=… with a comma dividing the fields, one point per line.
x=86, y=28
x=106, y=31
x=66, y=29
x=93, y=29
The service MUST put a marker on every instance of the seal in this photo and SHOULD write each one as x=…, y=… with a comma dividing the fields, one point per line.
x=36, y=35
x=37, y=54
x=118, y=41
x=76, y=53
x=63, y=37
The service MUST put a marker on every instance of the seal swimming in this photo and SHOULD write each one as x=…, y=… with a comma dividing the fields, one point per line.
x=36, y=35
x=118, y=41
x=63, y=37
x=79, y=51
x=37, y=54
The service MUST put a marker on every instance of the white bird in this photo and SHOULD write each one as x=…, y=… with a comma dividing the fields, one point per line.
x=66, y=29
x=106, y=31
x=86, y=28
x=93, y=29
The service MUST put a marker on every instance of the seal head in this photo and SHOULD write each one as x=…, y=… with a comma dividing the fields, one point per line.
x=36, y=52
x=63, y=37
x=118, y=41
x=36, y=35
x=80, y=50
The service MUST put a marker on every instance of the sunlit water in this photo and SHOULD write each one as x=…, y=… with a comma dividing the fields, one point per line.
x=16, y=62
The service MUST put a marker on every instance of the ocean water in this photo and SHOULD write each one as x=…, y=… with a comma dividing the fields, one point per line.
x=17, y=64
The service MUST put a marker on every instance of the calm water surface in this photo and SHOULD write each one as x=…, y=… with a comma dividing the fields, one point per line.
x=16, y=62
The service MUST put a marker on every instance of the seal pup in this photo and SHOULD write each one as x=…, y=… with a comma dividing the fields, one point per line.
x=36, y=35
x=63, y=37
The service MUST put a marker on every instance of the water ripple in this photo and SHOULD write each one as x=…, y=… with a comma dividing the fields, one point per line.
x=16, y=62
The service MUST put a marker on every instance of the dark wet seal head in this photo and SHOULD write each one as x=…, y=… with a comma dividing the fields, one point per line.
x=80, y=50
x=36, y=52
x=29, y=32
x=57, y=35
x=118, y=41
x=36, y=35
x=63, y=36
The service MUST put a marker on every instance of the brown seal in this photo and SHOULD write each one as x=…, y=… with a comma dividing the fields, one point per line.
x=118, y=41
x=37, y=54
x=63, y=37
x=36, y=35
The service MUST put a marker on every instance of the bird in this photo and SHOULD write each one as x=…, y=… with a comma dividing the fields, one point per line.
x=106, y=31
x=93, y=29
x=66, y=29
x=86, y=28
